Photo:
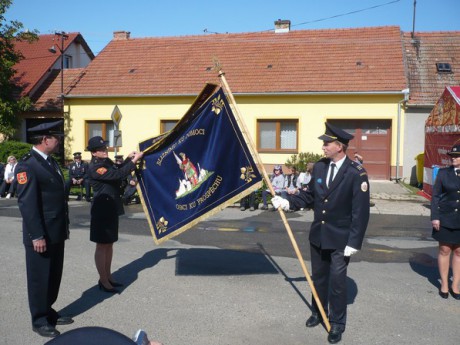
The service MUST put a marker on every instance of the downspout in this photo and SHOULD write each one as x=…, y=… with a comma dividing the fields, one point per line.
x=398, y=133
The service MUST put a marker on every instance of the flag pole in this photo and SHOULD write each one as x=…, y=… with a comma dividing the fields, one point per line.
x=256, y=156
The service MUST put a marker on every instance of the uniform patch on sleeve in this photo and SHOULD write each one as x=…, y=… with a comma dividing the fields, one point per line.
x=22, y=177
x=101, y=171
x=364, y=186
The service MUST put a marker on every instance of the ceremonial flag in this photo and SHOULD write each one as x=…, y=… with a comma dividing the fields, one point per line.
x=197, y=169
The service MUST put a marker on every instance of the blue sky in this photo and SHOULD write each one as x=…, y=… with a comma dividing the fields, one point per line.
x=96, y=20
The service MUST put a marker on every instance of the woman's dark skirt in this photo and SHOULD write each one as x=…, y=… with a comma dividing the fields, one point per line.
x=104, y=220
x=446, y=235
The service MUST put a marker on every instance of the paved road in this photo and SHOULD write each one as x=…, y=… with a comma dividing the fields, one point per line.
x=233, y=280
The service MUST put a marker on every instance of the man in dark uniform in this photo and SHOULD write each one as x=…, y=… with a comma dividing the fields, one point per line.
x=43, y=205
x=78, y=177
x=338, y=193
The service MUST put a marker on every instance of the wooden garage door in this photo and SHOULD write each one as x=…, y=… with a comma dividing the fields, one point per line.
x=373, y=142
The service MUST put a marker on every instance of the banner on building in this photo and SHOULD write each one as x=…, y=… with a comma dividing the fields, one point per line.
x=197, y=169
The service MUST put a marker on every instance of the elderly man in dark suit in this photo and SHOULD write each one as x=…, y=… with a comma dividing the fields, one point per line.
x=43, y=205
x=338, y=193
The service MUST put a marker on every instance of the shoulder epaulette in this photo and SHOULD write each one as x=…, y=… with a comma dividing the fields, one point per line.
x=25, y=157
x=358, y=167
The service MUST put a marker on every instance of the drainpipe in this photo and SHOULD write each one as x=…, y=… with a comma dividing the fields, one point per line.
x=398, y=133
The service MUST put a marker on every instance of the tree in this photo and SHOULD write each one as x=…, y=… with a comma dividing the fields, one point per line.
x=10, y=101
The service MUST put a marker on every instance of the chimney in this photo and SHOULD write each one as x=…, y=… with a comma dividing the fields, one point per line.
x=121, y=35
x=282, y=26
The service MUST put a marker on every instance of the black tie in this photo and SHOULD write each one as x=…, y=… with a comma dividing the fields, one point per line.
x=53, y=164
x=458, y=172
x=331, y=176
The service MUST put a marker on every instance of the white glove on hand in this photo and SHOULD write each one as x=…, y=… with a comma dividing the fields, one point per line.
x=278, y=202
x=349, y=251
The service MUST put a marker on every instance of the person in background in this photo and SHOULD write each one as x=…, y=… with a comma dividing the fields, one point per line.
x=305, y=177
x=105, y=177
x=291, y=183
x=358, y=158
x=248, y=202
x=9, y=184
x=277, y=181
x=445, y=219
x=2, y=172
x=339, y=195
x=78, y=177
x=43, y=205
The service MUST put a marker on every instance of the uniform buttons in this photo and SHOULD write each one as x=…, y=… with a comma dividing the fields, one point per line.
x=322, y=222
x=456, y=210
x=324, y=211
x=325, y=200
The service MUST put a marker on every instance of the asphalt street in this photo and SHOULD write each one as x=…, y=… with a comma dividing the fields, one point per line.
x=234, y=279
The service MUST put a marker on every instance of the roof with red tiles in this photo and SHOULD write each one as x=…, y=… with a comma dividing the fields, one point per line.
x=38, y=60
x=422, y=52
x=336, y=60
x=47, y=96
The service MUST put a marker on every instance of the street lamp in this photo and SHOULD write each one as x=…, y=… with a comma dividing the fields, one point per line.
x=60, y=36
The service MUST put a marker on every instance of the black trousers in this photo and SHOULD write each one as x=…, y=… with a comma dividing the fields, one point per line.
x=329, y=275
x=44, y=273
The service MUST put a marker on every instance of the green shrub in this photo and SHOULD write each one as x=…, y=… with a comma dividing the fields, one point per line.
x=13, y=148
x=301, y=160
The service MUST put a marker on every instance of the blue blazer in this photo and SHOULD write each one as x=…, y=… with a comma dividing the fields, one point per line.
x=42, y=200
x=341, y=212
x=445, y=200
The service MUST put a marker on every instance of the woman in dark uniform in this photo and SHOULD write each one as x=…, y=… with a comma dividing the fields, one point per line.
x=105, y=178
x=445, y=218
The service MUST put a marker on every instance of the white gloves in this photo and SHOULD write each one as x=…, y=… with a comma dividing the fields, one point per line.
x=278, y=202
x=349, y=251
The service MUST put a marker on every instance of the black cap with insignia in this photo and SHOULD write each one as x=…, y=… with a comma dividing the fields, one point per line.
x=455, y=151
x=96, y=143
x=334, y=133
x=47, y=128
x=76, y=154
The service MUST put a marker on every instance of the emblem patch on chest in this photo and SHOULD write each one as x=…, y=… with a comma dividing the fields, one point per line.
x=101, y=171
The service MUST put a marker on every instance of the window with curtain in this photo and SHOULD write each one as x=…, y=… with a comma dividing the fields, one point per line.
x=277, y=135
x=104, y=129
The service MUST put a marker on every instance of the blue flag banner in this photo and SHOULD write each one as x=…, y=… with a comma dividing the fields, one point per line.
x=197, y=169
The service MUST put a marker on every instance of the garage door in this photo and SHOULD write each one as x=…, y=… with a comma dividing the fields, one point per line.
x=373, y=142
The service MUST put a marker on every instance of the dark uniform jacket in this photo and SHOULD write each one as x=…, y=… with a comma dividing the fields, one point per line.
x=445, y=201
x=42, y=200
x=341, y=212
x=106, y=177
x=78, y=172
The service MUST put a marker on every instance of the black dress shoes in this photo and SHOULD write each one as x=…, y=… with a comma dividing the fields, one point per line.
x=115, y=284
x=313, y=320
x=335, y=335
x=105, y=289
x=64, y=320
x=454, y=295
x=46, y=331
x=443, y=294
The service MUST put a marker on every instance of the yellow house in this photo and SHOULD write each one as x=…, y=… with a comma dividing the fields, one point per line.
x=287, y=84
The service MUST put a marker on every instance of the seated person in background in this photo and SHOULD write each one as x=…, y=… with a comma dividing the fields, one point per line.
x=291, y=183
x=9, y=182
x=305, y=177
x=277, y=181
x=2, y=172
x=78, y=177
x=248, y=202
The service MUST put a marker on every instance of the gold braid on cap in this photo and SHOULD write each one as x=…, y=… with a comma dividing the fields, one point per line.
x=330, y=136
